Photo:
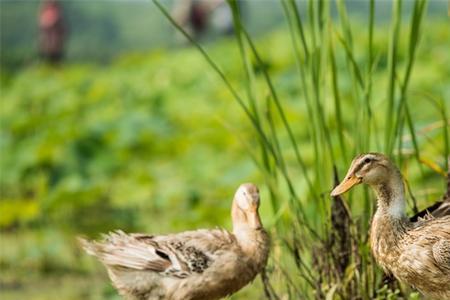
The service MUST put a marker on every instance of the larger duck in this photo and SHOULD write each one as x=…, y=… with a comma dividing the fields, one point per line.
x=202, y=264
x=417, y=253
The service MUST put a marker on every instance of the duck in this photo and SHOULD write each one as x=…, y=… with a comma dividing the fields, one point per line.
x=416, y=253
x=203, y=264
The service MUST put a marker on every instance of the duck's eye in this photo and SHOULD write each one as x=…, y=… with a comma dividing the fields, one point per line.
x=367, y=160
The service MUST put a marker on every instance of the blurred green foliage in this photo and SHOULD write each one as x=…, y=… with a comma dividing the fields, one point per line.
x=89, y=149
x=153, y=143
x=120, y=136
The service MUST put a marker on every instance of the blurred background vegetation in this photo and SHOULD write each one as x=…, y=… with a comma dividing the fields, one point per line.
x=137, y=132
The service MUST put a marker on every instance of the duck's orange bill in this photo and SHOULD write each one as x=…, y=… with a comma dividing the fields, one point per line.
x=345, y=185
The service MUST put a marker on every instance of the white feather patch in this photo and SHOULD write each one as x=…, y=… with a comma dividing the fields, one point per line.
x=397, y=208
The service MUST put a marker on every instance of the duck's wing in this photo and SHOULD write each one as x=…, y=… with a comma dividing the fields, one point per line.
x=203, y=240
x=177, y=255
x=441, y=253
x=441, y=249
x=432, y=234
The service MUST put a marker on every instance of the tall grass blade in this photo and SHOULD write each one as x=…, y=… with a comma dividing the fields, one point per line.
x=392, y=71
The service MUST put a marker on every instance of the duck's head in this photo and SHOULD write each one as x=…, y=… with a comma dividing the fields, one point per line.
x=370, y=168
x=246, y=204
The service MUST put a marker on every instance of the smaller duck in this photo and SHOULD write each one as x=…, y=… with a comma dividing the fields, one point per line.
x=192, y=265
x=417, y=253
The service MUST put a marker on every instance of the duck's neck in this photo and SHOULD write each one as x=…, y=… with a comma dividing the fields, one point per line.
x=389, y=222
x=391, y=197
x=248, y=229
x=255, y=245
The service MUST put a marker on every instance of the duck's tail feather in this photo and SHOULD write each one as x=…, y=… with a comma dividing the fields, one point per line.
x=122, y=250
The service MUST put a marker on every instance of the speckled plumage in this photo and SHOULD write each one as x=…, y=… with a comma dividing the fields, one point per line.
x=417, y=253
x=200, y=264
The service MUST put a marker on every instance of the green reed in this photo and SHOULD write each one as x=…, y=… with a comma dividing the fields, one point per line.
x=338, y=127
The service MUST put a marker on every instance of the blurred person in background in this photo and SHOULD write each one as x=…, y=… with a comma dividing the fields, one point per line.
x=52, y=31
x=196, y=16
